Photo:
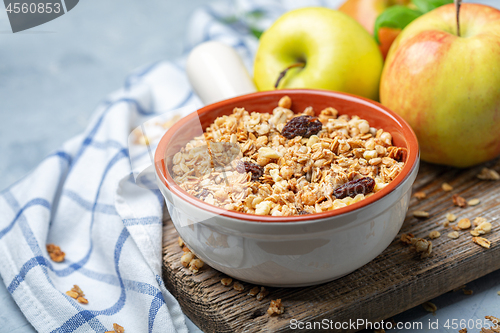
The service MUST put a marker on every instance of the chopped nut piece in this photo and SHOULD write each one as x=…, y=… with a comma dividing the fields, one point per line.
x=82, y=300
x=180, y=242
x=420, y=195
x=434, y=234
x=482, y=241
x=195, y=265
x=276, y=308
x=55, y=253
x=421, y=214
x=464, y=224
x=422, y=246
x=238, y=286
x=285, y=102
x=446, y=187
x=226, y=281
x=118, y=328
x=263, y=293
x=430, y=307
x=451, y=217
x=478, y=220
x=459, y=201
x=406, y=238
x=488, y=174
x=254, y=291
x=72, y=294
x=453, y=235
x=473, y=202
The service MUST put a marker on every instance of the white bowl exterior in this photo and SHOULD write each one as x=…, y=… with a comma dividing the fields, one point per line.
x=295, y=253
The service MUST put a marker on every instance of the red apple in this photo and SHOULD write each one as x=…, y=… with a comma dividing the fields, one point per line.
x=447, y=85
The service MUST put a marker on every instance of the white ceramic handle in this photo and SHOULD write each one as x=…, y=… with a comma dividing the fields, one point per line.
x=216, y=72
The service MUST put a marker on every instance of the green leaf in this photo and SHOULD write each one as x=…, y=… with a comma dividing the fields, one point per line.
x=256, y=32
x=396, y=17
x=427, y=5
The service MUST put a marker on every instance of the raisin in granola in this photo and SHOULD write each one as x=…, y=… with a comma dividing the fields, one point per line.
x=303, y=126
x=354, y=187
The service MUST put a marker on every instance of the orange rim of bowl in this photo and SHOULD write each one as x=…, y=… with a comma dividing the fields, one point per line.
x=410, y=164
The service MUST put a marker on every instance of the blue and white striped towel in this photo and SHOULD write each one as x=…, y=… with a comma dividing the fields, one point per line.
x=84, y=199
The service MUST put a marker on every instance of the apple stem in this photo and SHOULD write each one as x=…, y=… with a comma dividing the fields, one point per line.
x=458, y=3
x=283, y=73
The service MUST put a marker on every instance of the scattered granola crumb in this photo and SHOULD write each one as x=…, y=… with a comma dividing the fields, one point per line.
x=434, y=234
x=488, y=174
x=276, y=308
x=430, y=307
x=420, y=195
x=185, y=249
x=406, y=238
x=446, y=224
x=180, y=242
x=226, y=281
x=478, y=220
x=118, y=328
x=195, y=265
x=473, y=202
x=186, y=258
x=422, y=246
x=467, y=291
x=459, y=201
x=456, y=228
x=82, y=300
x=464, y=224
x=263, y=293
x=421, y=214
x=77, y=294
x=379, y=331
x=451, y=217
x=254, y=291
x=463, y=330
x=446, y=187
x=482, y=241
x=481, y=229
x=55, y=253
x=453, y=235
x=498, y=293
x=238, y=286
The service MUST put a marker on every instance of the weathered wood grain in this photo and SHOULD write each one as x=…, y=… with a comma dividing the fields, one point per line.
x=393, y=282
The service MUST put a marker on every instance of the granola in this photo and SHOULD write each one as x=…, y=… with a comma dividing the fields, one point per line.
x=55, y=253
x=245, y=161
x=276, y=308
x=77, y=294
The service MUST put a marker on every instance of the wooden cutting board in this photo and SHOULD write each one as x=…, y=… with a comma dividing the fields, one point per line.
x=393, y=282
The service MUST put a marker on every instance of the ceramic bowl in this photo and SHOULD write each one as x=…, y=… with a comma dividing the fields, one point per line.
x=296, y=250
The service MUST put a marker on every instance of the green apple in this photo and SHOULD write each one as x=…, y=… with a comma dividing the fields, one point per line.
x=332, y=50
x=448, y=86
